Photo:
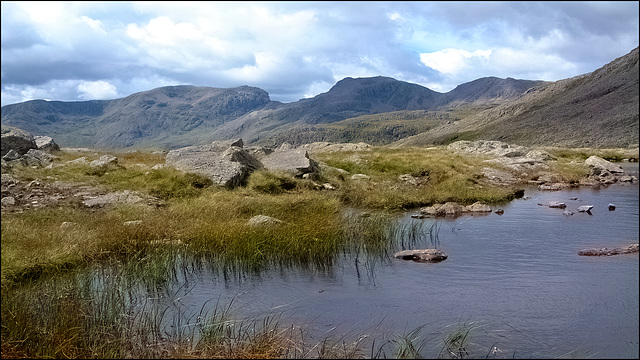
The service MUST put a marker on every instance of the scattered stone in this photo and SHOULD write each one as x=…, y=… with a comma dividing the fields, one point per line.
x=500, y=211
x=628, y=249
x=612, y=207
x=425, y=255
x=573, y=198
x=585, y=208
x=568, y=213
x=555, y=204
x=553, y=187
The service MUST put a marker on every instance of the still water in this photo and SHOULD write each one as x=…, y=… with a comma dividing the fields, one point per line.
x=516, y=278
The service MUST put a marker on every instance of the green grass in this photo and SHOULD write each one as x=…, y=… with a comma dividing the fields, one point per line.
x=50, y=307
x=446, y=176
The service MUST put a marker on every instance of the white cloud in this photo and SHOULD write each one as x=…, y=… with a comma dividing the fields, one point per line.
x=97, y=90
x=291, y=49
x=453, y=61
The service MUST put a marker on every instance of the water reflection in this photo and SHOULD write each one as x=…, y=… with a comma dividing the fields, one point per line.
x=514, y=280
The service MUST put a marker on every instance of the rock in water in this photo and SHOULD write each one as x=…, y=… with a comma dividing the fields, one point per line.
x=424, y=255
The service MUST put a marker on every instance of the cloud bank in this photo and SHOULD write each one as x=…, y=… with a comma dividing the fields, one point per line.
x=75, y=51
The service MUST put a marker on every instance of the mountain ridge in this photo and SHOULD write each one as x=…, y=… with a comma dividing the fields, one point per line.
x=352, y=110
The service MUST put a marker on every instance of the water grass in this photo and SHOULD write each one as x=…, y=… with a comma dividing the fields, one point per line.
x=105, y=289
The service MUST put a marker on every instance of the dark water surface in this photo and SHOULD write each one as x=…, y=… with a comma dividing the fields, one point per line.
x=517, y=278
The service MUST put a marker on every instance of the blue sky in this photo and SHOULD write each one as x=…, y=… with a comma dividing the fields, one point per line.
x=73, y=51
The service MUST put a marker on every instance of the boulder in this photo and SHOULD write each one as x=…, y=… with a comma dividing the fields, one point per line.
x=478, y=207
x=38, y=158
x=628, y=249
x=16, y=139
x=105, y=163
x=11, y=155
x=554, y=204
x=612, y=207
x=449, y=208
x=424, y=255
x=45, y=143
x=294, y=161
x=226, y=163
x=598, y=163
x=585, y=208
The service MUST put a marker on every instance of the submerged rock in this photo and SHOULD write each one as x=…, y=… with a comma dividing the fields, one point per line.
x=628, y=249
x=424, y=255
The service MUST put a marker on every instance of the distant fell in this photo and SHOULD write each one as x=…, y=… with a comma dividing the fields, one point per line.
x=596, y=109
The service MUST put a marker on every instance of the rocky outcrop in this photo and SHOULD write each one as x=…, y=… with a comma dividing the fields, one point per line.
x=226, y=163
x=16, y=139
x=120, y=197
x=605, y=172
x=494, y=148
x=508, y=164
x=424, y=255
x=628, y=249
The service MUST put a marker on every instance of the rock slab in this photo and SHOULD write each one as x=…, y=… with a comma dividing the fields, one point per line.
x=423, y=255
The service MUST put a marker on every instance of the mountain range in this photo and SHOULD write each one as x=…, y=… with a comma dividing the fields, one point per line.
x=598, y=109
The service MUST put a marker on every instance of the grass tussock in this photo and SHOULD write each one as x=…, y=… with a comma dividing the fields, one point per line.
x=442, y=176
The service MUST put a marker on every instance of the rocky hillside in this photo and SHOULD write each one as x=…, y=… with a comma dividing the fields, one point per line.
x=164, y=117
x=598, y=109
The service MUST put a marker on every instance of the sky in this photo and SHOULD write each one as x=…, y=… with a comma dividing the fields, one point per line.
x=76, y=51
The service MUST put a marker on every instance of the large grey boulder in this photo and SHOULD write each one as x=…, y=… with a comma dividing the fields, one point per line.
x=601, y=164
x=39, y=158
x=226, y=163
x=45, y=143
x=294, y=161
x=16, y=139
